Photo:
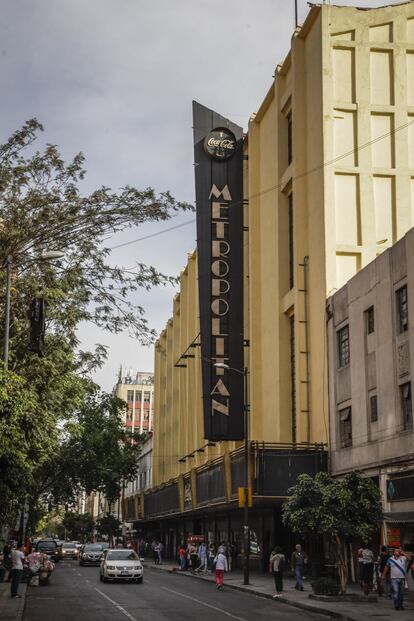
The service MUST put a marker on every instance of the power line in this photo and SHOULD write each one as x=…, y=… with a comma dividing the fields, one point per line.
x=171, y=228
x=278, y=186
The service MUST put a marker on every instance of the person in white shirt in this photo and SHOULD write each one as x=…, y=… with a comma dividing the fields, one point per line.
x=221, y=567
x=397, y=566
x=17, y=558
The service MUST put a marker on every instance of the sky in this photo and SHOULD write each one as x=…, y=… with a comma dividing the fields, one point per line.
x=115, y=79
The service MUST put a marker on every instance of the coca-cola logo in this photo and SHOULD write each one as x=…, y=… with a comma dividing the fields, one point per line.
x=220, y=144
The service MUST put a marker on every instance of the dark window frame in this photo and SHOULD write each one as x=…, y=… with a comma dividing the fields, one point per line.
x=290, y=242
x=406, y=406
x=401, y=302
x=344, y=353
x=345, y=426
x=370, y=320
x=373, y=408
x=289, y=137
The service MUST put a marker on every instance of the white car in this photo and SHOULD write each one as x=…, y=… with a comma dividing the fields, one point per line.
x=121, y=564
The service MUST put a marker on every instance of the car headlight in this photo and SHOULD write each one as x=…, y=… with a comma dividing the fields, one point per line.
x=137, y=567
x=110, y=567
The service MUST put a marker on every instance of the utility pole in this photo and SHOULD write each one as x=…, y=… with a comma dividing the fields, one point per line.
x=296, y=13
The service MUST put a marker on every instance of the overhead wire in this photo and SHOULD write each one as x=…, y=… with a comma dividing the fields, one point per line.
x=278, y=186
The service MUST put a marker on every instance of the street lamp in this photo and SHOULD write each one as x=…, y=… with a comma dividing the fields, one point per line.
x=48, y=255
x=246, y=528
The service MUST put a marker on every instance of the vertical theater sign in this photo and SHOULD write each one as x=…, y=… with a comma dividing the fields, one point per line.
x=219, y=196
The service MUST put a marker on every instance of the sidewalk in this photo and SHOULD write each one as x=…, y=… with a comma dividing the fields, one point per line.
x=262, y=585
x=11, y=609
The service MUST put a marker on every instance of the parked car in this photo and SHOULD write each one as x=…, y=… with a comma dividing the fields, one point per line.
x=49, y=547
x=90, y=554
x=121, y=564
x=69, y=550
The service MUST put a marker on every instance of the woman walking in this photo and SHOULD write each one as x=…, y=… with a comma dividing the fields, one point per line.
x=276, y=566
x=221, y=567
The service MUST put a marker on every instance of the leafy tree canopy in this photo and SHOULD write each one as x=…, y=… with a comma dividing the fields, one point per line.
x=341, y=509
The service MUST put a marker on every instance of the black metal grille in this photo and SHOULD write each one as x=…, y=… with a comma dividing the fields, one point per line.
x=162, y=501
x=211, y=485
x=277, y=471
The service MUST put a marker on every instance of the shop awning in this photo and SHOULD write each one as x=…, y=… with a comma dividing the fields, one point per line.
x=402, y=517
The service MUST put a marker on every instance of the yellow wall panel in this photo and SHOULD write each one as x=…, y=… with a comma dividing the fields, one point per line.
x=344, y=74
x=384, y=208
x=382, y=126
x=382, y=83
x=347, y=209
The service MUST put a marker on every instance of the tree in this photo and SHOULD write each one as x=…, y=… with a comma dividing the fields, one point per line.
x=341, y=509
x=78, y=527
x=42, y=207
x=109, y=526
x=96, y=453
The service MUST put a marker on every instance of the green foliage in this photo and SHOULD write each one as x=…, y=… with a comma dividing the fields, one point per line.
x=324, y=505
x=109, y=526
x=326, y=586
x=78, y=527
x=341, y=509
x=22, y=443
x=44, y=402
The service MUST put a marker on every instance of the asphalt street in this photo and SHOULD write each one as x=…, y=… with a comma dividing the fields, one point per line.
x=76, y=594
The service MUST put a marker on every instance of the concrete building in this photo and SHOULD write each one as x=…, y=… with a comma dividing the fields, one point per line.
x=138, y=391
x=329, y=185
x=135, y=489
x=371, y=370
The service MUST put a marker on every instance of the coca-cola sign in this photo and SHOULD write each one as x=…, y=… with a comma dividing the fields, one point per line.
x=220, y=144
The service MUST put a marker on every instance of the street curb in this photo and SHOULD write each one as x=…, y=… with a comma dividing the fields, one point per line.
x=308, y=607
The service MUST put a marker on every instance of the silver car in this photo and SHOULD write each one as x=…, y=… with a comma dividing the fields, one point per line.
x=121, y=565
x=69, y=550
x=90, y=554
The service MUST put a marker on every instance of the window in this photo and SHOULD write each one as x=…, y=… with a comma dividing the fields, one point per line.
x=406, y=406
x=343, y=347
x=402, y=309
x=129, y=415
x=373, y=408
x=289, y=137
x=370, y=320
x=138, y=396
x=290, y=241
x=293, y=377
x=130, y=395
x=147, y=397
x=345, y=427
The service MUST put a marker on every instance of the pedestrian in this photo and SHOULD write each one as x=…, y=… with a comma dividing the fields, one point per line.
x=211, y=553
x=192, y=551
x=366, y=568
x=221, y=567
x=183, y=558
x=276, y=566
x=233, y=557
x=202, y=556
x=298, y=561
x=384, y=586
x=397, y=566
x=17, y=558
x=155, y=555
x=160, y=548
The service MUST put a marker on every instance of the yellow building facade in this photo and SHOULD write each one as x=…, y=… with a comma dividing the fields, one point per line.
x=329, y=184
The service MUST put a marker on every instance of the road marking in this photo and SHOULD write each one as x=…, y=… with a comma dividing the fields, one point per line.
x=194, y=599
x=125, y=612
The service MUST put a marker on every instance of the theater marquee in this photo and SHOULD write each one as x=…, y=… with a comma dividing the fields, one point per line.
x=219, y=197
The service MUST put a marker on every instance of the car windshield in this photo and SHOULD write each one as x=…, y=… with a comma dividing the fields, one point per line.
x=68, y=545
x=46, y=544
x=122, y=555
x=93, y=548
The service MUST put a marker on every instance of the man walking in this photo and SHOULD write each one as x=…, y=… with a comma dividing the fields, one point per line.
x=397, y=566
x=298, y=561
x=17, y=558
x=276, y=565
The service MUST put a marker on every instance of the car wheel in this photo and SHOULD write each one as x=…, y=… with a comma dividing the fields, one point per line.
x=140, y=580
x=100, y=576
x=104, y=579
